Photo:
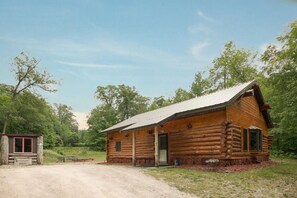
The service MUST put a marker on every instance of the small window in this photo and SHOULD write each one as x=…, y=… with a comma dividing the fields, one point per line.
x=245, y=131
x=27, y=145
x=23, y=145
x=255, y=140
x=163, y=142
x=118, y=146
x=18, y=145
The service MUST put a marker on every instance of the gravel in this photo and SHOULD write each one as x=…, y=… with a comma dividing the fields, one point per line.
x=81, y=180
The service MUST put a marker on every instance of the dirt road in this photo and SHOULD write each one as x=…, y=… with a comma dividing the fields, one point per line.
x=81, y=180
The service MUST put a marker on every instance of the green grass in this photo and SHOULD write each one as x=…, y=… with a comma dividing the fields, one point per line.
x=276, y=181
x=51, y=156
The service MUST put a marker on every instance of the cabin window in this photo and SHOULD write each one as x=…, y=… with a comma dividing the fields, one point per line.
x=118, y=146
x=18, y=145
x=23, y=145
x=245, y=140
x=255, y=140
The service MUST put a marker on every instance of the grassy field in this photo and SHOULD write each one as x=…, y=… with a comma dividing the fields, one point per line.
x=52, y=156
x=276, y=181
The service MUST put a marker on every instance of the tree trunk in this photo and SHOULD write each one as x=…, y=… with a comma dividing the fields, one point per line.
x=5, y=126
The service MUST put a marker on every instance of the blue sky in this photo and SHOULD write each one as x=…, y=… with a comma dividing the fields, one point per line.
x=156, y=46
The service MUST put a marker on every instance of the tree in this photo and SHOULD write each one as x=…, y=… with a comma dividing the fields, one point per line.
x=66, y=117
x=101, y=117
x=280, y=71
x=200, y=86
x=159, y=102
x=232, y=67
x=130, y=102
x=126, y=100
x=117, y=103
x=5, y=102
x=108, y=95
x=181, y=95
x=29, y=113
x=28, y=78
x=66, y=125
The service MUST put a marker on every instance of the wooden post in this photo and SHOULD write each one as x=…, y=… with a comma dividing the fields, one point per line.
x=133, y=149
x=156, y=146
x=107, y=147
x=4, y=150
x=40, y=150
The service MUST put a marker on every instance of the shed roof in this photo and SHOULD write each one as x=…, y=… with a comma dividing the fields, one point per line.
x=21, y=135
x=210, y=102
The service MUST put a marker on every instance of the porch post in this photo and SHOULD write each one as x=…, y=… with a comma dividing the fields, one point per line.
x=40, y=150
x=4, y=150
x=156, y=146
x=133, y=149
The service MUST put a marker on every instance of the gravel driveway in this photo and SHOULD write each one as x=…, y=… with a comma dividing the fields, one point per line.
x=81, y=180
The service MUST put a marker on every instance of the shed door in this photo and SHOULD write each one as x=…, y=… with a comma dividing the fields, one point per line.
x=163, y=149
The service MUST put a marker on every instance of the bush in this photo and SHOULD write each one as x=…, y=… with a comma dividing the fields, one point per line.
x=282, y=154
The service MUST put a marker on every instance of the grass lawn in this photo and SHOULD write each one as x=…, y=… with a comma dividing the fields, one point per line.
x=52, y=156
x=275, y=181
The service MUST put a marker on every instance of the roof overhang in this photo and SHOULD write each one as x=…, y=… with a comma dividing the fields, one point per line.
x=250, y=88
x=263, y=107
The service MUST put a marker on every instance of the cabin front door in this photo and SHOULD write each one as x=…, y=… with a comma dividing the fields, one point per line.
x=163, y=149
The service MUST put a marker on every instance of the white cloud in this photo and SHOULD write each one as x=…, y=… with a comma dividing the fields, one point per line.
x=98, y=66
x=194, y=29
x=81, y=119
x=198, y=48
x=92, y=48
x=203, y=16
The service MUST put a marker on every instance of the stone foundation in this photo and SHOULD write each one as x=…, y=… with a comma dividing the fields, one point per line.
x=222, y=162
x=145, y=161
x=139, y=161
x=120, y=160
x=194, y=160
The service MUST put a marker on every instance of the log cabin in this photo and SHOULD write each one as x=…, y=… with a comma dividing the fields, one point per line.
x=230, y=125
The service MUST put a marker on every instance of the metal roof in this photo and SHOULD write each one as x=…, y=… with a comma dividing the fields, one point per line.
x=200, y=104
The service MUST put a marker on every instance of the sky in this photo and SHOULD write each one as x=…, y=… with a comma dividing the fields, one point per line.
x=156, y=46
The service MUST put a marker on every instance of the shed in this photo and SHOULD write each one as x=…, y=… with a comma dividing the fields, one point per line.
x=230, y=125
x=21, y=149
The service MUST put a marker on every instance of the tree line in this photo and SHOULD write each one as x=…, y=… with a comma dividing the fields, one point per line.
x=22, y=109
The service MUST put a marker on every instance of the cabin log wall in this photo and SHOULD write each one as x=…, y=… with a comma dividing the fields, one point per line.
x=195, y=139
x=245, y=113
x=123, y=156
x=145, y=147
